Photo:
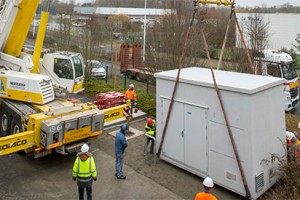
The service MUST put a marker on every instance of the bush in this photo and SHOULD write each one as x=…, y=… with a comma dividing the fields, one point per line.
x=147, y=103
x=288, y=186
x=95, y=86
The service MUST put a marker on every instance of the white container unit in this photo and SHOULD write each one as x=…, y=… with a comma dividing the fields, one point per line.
x=197, y=139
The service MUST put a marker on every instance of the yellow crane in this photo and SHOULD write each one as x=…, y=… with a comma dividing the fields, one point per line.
x=31, y=117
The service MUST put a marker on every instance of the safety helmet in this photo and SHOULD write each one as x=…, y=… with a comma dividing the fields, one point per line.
x=85, y=148
x=208, y=182
x=289, y=135
x=131, y=85
x=149, y=121
x=124, y=127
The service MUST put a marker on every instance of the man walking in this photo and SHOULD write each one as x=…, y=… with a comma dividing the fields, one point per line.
x=206, y=195
x=120, y=146
x=84, y=170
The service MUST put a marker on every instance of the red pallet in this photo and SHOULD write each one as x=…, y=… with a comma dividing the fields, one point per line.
x=109, y=99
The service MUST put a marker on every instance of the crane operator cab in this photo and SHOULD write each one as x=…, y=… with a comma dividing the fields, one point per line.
x=65, y=68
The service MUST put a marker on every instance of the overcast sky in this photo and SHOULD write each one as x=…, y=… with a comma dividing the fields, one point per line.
x=243, y=3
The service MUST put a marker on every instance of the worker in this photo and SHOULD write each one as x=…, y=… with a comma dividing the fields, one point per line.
x=296, y=133
x=294, y=149
x=84, y=170
x=150, y=130
x=289, y=136
x=130, y=94
x=120, y=146
x=206, y=195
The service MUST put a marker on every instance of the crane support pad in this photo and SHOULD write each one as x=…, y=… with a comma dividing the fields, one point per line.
x=16, y=142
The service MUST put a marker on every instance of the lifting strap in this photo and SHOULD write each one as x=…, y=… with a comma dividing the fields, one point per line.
x=236, y=153
x=176, y=82
x=232, y=12
x=225, y=38
x=248, y=195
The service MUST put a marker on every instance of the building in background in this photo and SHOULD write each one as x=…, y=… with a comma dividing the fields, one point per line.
x=135, y=14
x=283, y=29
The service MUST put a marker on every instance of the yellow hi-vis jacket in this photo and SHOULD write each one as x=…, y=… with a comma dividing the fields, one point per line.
x=84, y=168
x=150, y=130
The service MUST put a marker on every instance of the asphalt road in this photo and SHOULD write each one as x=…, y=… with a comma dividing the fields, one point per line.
x=49, y=177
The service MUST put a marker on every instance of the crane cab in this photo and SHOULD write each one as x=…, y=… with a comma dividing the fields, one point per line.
x=65, y=68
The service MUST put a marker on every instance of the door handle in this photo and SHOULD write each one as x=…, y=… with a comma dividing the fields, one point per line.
x=182, y=133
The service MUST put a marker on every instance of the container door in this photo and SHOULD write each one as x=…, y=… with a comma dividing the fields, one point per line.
x=195, y=137
x=173, y=146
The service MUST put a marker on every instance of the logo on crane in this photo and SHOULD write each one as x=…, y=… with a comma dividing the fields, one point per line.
x=14, y=144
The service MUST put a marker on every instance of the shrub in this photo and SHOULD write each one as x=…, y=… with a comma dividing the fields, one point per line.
x=147, y=103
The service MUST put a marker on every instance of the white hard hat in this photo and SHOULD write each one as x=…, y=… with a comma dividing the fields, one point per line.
x=208, y=182
x=289, y=135
x=131, y=85
x=85, y=148
x=299, y=125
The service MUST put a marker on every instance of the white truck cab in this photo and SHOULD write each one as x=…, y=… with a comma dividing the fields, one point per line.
x=280, y=64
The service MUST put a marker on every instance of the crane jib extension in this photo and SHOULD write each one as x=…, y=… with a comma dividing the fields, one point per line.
x=218, y=2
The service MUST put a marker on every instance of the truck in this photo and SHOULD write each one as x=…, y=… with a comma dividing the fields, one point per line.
x=32, y=117
x=132, y=67
x=280, y=64
x=65, y=68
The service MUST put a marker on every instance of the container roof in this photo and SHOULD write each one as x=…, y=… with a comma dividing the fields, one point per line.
x=233, y=81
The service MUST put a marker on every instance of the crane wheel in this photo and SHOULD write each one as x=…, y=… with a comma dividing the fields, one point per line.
x=5, y=121
x=16, y=127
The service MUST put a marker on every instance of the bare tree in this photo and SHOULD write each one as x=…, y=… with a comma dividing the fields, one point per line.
x=64, y=33
x=256, y=30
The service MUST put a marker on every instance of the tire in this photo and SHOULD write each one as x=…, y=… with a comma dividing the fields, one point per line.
x=16, y=127
x=138, y=77
x=129, y=75
x=5, y=123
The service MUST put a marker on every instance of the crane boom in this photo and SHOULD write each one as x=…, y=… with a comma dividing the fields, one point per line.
x=20, y=28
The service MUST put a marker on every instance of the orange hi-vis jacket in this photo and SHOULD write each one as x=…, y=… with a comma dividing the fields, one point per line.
x=296, y=150
x=130, y=94
x=204, y=196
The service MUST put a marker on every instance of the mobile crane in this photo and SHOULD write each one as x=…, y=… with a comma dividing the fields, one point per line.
x=65, y=68
x=31, y=117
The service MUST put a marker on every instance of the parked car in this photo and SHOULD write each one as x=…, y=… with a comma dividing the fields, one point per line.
x=96, y=69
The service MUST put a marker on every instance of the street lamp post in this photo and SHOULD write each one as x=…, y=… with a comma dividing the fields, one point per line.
x=144, y=42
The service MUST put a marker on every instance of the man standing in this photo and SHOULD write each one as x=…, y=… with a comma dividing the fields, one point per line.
x=130, y=94
x=294, y=149
x=120, y=146
x=150, y=130
x=84, y=170
x=206, y=195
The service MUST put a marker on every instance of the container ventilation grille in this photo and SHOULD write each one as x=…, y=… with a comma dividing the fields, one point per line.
x=230, y=176
x=259, y=182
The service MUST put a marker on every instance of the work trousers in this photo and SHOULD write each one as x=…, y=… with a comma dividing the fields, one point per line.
x=152, y=144
x=88, y=193
x=119, y=164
